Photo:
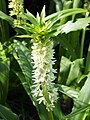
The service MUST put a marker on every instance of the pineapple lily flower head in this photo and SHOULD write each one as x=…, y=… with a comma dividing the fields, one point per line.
x=43, y=73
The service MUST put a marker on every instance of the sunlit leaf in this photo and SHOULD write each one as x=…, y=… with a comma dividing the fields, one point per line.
x=42, y=16
x=32, y=19
x=65, y=65
x=84, y=96
x=6, y=17
x=78, y=25
x=75, y=70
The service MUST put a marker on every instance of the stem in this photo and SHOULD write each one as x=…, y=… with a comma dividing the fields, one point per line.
x=83, y=38
x=82, y=42
x=50, y=115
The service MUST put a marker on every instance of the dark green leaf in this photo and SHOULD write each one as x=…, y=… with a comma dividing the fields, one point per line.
x=87, y=68
x=7, y=114
x=4, y=75
x=62, y=39
x=81, y=111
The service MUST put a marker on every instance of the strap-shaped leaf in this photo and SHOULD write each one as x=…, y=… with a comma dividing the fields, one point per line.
x=32, y=19
x=53, y=18
x=7, y=114
x=6, y=17
x=65, y=13
x=62, y=39
x=68, y=91
x=75, y=70
x=84, y=96
x=77, y=112
x=4, y=75
x=23, y=56
x=87, y=68
x=42, y=16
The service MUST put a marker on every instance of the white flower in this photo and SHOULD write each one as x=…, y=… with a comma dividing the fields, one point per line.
x=43, y=73
x=16, y=8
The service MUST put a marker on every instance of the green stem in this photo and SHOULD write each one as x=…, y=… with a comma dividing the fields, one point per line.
x=83, y=38
x=82, y=42
x=50, y=115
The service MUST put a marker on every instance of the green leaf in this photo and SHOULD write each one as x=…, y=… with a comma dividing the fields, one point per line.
x=65, y=13
x=4, y=82
x=57, y=111
x=75, y=70
x=4, y=32
x=24, y=36
x=70, y=92
x=84, y=96
x=7, y=114
x=32, y=19
x=62, y=39
x=4, y=75
x=3, y=5
x=87, y=68
x=23, y=57
x=27, y=28
x=78, y=25
x=65, y=65
x=56, y=17
x=6, y=17
x=42, y=16
x=73, y=115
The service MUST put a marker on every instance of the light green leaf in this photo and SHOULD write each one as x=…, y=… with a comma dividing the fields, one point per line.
x=32, y=19
x=38, y=17
x=84, y=96
x=42, y=16
x=65, y=65
x=6, y=17
x=75, y=70
x=53, y=18
x=24, y=36
x=70, y=92
x=65, y=13
x=78, y=25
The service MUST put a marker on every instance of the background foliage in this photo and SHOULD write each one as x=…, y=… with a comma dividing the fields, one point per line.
x=72, y=51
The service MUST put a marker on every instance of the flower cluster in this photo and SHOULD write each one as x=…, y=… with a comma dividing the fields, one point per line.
x=16, y=8
x=43, y=88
